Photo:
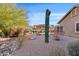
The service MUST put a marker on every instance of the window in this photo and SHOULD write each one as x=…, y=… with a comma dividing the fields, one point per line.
x=57, y=28
x=77, y=27
x=77, y=11
x=61, y=28
x=74, y=12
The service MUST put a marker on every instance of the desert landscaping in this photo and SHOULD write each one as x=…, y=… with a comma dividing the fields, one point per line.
x=38, y=47
x=19, y=37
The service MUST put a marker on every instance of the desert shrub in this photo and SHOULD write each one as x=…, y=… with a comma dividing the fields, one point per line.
x=1, y=34
x=19, y=40
x=57, y=51
x=73, y=48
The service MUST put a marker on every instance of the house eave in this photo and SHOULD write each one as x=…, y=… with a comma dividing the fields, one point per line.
x=66, y=15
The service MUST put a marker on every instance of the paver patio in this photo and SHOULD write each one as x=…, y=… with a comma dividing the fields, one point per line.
x=38, y=47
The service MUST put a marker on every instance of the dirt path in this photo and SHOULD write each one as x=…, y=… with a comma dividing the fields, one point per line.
x=38, y=47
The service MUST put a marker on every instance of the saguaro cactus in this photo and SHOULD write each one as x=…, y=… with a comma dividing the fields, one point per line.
x=47, y=26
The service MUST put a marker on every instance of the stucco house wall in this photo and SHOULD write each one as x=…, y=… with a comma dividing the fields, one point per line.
x=68, y=24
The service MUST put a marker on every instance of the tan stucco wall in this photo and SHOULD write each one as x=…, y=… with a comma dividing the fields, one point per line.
x=69, y=25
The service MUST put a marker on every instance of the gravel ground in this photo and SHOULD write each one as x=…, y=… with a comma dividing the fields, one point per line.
x=7, y=48
x=37, y=47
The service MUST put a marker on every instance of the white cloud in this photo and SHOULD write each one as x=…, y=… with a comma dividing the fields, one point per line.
x=57, y=14
x=39, y=18
x=51, y=15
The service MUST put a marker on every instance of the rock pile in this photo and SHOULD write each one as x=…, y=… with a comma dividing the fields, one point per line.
x=8, y=49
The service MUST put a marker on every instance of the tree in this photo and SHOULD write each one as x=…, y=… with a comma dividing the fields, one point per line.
x=12, y=18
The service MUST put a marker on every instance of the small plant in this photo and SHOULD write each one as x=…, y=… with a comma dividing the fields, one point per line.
x=19, y=41
x=57, y=51
x=73, y=48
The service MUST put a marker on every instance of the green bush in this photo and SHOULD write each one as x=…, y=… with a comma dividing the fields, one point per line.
x=73, y=48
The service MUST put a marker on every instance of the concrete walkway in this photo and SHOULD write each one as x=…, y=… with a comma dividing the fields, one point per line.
x=38, y=47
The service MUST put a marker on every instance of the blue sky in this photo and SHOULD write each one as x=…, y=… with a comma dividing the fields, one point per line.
x=36, y=11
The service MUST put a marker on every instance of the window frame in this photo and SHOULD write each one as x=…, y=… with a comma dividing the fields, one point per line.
x=61, y=29
x=76, y=28
x=75, y=12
